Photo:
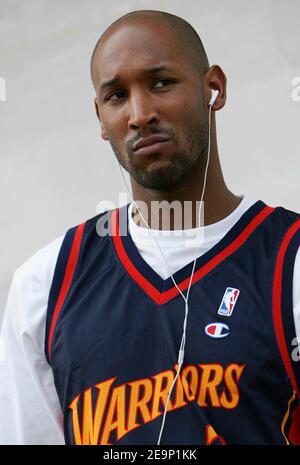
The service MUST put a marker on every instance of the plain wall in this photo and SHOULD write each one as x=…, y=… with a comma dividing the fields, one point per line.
x=55, y=168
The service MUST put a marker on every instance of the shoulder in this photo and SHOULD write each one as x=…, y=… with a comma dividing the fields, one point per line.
x=289, y=216
x=282, y=226
x=38, y=269
x=26, y=307
x=29, y=292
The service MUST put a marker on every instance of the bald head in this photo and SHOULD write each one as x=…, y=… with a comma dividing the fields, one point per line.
x=185, y=37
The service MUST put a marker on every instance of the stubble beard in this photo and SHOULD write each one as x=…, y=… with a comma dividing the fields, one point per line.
x=168, y=175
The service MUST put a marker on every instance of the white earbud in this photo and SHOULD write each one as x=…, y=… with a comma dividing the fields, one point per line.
x=101, y=125
x=214, y=95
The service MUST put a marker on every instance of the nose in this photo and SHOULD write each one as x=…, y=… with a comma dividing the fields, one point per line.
x=141, y=111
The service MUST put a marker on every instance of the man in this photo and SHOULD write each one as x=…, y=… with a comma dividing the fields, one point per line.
x=93, y=322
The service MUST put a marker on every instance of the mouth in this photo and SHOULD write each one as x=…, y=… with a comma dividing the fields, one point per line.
x=152, y=148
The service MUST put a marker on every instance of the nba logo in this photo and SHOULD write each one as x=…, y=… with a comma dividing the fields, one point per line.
x=228, y=302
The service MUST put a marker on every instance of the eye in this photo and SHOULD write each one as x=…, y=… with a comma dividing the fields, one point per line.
x=165, y=80
x=115, y=93
x=122, y=92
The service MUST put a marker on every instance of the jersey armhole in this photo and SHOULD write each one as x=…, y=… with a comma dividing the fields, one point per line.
x=61, y=282
x=282, y=304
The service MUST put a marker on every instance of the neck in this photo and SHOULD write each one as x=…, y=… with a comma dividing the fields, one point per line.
x=218, y=200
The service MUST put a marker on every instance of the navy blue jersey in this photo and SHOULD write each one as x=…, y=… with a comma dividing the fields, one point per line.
x=114, y=329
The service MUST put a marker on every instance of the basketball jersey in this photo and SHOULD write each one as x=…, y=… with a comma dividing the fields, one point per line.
x=114, y=329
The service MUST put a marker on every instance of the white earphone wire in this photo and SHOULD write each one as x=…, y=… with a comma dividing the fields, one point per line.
x=182, y=345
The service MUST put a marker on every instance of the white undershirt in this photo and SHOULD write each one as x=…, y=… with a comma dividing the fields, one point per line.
x=30, y=412
x=178, y=246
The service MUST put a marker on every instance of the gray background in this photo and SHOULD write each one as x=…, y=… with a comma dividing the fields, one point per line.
x=54, y=167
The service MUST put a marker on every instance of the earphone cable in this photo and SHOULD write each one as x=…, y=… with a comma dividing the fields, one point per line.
x=182, y=345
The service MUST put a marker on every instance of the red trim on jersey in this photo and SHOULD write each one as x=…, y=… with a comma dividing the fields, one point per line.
x=131, y=269
x=163, y=297
x=277, y=301
x=68, y=276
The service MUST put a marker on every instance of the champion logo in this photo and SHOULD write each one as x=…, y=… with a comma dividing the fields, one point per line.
x=228, y=302
x=217, y=330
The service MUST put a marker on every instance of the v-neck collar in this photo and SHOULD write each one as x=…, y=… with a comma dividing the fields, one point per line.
x=162, y=290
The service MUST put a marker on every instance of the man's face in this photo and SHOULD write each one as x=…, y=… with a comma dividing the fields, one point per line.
x=142, y=104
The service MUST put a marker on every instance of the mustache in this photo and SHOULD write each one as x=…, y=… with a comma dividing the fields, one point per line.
x=147, y=133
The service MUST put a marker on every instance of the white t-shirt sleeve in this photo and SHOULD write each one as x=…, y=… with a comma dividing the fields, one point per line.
x=30, y=412
x=296, y=295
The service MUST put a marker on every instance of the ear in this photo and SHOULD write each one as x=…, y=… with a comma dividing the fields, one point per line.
x=215, y=79
x=103, y=132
